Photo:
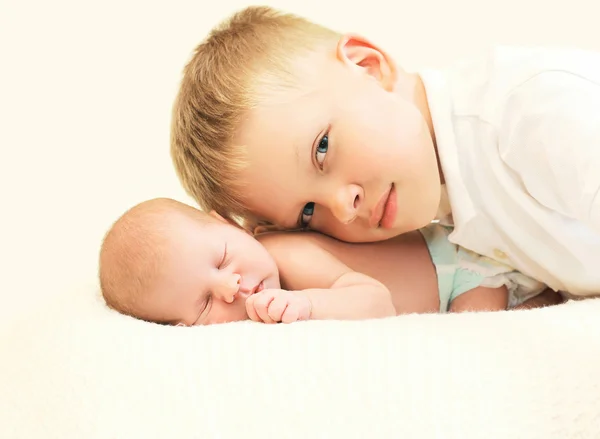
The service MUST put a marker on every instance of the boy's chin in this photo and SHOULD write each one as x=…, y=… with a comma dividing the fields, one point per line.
x=379, y=234
x=363, y=235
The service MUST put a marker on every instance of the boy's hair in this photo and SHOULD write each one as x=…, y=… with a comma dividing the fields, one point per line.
x=253, y=56
x=134, y=248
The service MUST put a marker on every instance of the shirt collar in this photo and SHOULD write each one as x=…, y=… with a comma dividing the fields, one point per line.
x=456, y=206
x=444, y=212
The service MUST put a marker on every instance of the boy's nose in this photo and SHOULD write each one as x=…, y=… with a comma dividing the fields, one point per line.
x=228, y=286
x=346, y=203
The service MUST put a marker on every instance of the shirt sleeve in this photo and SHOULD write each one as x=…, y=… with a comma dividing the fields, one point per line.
x=549, y=135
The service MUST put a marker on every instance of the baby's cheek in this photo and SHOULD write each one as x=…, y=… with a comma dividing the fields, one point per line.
x=227, y=313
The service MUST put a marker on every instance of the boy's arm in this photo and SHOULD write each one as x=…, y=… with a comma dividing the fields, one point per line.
x=549, y=135
x=547, y=298
x=481, y=299
x=496, y=299
x=335, y=291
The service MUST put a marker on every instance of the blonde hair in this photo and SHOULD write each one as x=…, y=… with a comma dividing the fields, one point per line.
x=134, y=249
x=254, y=54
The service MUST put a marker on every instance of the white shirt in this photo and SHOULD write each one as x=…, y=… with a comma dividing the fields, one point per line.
x=518, y=135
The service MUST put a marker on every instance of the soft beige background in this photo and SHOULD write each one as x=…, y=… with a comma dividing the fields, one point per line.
x=85, y=95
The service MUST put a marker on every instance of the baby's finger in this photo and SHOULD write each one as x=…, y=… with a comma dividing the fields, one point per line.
x=291, y=314
x=252, y=314
x=261, y=306
x=277, y=307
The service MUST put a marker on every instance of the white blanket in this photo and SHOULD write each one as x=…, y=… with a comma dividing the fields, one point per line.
x=76, y=370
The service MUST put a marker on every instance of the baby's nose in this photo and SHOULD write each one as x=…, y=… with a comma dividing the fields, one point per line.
x=229, y=287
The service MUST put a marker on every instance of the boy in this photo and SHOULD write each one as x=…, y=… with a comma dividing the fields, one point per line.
x=166, y=262
x=285, y=122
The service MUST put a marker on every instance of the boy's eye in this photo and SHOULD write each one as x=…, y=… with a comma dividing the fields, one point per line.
x=321, y=150
x=307, y=214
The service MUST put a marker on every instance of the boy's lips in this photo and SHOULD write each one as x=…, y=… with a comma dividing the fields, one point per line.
x=384, y=214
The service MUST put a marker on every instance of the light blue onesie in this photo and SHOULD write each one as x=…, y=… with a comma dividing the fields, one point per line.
x=460, y=270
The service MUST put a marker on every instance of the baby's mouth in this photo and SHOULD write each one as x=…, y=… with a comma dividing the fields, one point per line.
x=258, y=288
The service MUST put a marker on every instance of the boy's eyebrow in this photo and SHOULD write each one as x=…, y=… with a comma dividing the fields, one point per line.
x=300, y=152
x=297, y=150
x=301, y=140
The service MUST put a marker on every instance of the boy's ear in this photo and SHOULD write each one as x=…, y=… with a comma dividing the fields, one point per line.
x=358, y=52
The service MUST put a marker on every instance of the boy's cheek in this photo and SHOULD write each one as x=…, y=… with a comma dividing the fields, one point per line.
x=357, y=231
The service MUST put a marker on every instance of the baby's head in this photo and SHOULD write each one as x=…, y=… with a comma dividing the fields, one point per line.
x=166, y=262
x=286, y=122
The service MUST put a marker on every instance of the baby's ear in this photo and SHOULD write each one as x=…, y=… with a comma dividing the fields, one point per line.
x=214, y=214
x=264, y=228
x=230, y=222
x=260, y=229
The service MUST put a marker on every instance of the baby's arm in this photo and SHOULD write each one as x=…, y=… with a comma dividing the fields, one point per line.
x=334, y=290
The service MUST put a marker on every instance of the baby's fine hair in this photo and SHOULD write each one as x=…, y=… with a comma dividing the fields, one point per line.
x=134, y=249
x=251, y=58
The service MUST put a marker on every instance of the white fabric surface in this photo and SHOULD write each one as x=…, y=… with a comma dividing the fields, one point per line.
x=76, y=370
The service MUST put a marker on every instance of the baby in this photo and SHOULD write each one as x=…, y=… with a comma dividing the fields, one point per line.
x=166, y=262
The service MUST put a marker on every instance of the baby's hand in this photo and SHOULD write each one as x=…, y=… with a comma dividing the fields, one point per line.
x=273, y=306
